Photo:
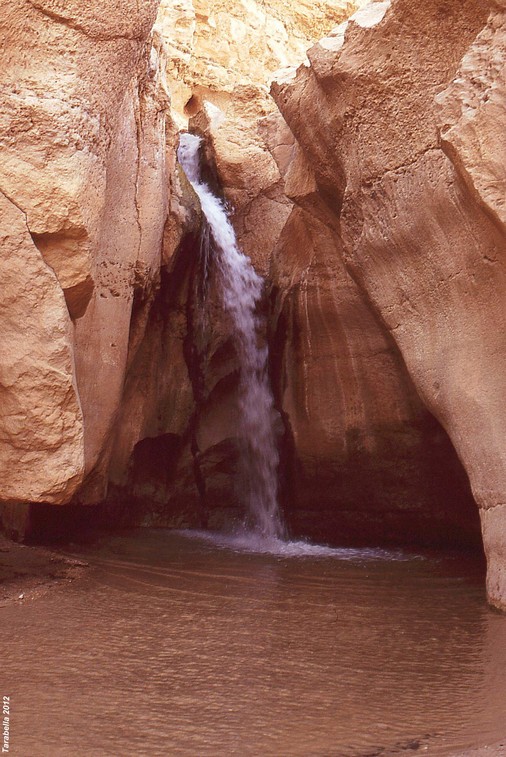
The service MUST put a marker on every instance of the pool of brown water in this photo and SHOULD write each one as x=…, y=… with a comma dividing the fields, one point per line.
x=173, y=646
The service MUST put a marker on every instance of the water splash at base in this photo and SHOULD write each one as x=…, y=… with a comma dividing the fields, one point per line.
x=256, y=544
x=241, y=290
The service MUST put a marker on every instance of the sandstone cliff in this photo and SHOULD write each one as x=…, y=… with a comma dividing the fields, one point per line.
x=97, y=353
x=374, y=208
x=399, y=117
x=84, y=192
x=217, y=46
x=364, y=461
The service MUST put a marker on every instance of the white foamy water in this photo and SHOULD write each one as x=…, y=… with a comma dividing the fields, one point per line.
x=258, y=544
x=241, y=289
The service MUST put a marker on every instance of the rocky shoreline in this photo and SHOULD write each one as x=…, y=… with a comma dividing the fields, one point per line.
x=29, y=572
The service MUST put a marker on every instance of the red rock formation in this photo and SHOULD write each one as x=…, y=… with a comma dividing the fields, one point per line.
x=400, y=117
x=370, y=463
x=82, y=163
x=380, y=228
x=363, y=462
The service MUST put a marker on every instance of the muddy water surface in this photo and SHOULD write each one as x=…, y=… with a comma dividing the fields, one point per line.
x=172, y=646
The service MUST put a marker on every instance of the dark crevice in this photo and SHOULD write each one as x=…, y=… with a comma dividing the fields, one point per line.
x=411, y=490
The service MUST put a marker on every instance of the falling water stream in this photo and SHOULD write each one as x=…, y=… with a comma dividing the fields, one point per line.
x=178, y=643
x=241, y=289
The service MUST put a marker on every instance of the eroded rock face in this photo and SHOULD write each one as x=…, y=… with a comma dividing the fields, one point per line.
x=41, y=424
x=82, y=176
x=86, y=158
x=377, y=219
x=470, y=112
x=391, y=120
x=368, y=463
x=363, y=459
x=126, y=267
x=215, y=46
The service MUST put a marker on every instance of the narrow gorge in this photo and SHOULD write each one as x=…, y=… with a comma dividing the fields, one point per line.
x=241, y=289
x=254, y=288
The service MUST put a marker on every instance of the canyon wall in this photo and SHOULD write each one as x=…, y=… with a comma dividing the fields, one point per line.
x=363, y=460
x=399, y=127
x=84, y=194
x=372, y=203
x=100, y=233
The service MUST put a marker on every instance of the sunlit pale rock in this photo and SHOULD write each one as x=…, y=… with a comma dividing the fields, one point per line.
x=82, y=159
x=472, y=114
x=215, y=46
x=41, y=424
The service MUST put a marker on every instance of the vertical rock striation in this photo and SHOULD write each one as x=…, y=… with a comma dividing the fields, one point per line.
x=374, y=207
x=399, y=116
x=84, y=194
x=364, y=460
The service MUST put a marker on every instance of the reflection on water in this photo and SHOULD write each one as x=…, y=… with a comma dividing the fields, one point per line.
x=171, y=646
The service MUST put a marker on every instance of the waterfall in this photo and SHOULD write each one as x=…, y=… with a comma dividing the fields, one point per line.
x=240, y=289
